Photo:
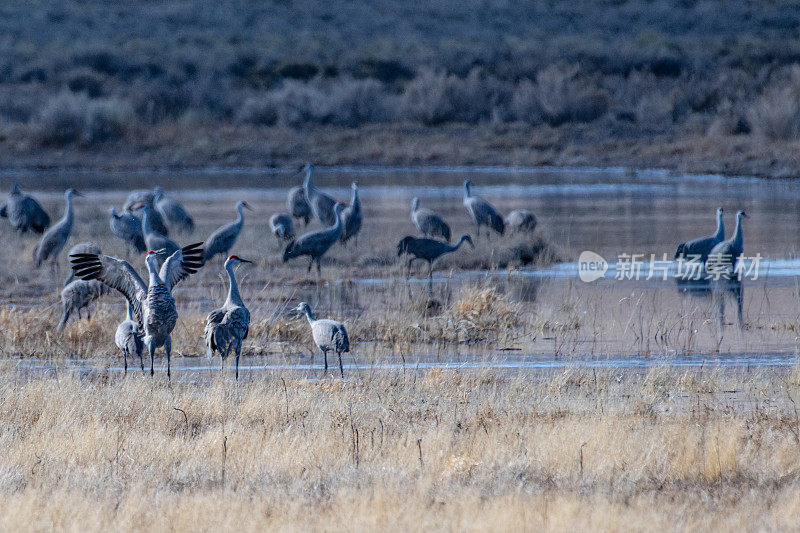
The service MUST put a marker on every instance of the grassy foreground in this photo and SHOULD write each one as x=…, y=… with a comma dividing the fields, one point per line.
x=576, y=450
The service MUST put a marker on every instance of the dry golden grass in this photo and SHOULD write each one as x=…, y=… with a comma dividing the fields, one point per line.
x=399, y=451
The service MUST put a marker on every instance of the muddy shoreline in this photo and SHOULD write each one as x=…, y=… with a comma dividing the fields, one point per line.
x=233, y=146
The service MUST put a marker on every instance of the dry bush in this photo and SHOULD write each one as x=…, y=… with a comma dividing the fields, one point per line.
x=435, y=97
x=480, y=313
x=76, y=119
x=776, y=114
x=567, y=97
x=344, y=102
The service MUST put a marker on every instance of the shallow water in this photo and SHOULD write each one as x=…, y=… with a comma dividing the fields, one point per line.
x=609, y=211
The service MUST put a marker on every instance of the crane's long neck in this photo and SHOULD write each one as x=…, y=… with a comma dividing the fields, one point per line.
x=457, y=245
x=737, y=233
x=240, y=218
x=415, y=205
x=720, y=233
x=128, y=310
x=355, y=203
x=68, y=212
x=233, y=290
x=155, y=279
x=310, y=315
x=467, y=191
x=146, y=225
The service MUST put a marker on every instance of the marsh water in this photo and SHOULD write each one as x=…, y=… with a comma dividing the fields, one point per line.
x=625, y=322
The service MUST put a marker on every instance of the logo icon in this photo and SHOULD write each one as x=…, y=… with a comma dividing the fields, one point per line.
x=591, y=266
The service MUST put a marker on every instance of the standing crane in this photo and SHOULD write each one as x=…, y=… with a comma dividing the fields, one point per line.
x=172, y=211
x=160, y=244
x=428, y=250
x=321, y=204
x=77, y=295
x=127, y=227
x=227, y=327
x=427, y=222
x=702, y=246
x=147, y=197
x=282, y=226
x=223, y=238
x=129, y=337
x=482, y=212
x=314, y=244
x=152, y=302
x=724, y=255
x=81, y=248
x=521, y=220
x=23, y=212
x=56, y=237
x=329, y=335
x=351, y=217
x=297, y=204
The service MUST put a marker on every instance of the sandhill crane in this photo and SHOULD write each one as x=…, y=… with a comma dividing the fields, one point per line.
x=129, y=337
x=81, y=248
x=56, y=237
x=77, y=295
x=521, y=220
x=140, y=196
x=428, y=250
x=227, y=327
x=155, y=241
x=329, y=335
x=482, y=212
x=429, y=223
x=223, y=238
x=23, y=212
x=297, y=204
x=282, y=226
x=127, y=227
x=724, y=255
x=351, y=217
x=133, y=204
x=314, y=244
x=152, y=303
x=321, y=204
x=172, y=211
x=703, y=245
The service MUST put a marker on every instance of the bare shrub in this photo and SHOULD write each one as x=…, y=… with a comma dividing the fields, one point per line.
x=525, y=103
x=345, y=102
x=776, y=114
x=68, y=118
x=655, y=108
x=435, y=98
x=567, y=97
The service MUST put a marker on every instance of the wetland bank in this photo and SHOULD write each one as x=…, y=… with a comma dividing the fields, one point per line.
x=513, y=396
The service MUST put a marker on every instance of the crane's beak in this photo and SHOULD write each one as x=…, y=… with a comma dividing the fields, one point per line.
x=247, y=206
x=78, y=193
x=245, y=261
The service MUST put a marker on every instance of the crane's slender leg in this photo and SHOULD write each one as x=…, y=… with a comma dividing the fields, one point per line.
x=151, y=347
x=430, y=276
x=125, y=361
x=341, y=368
x=141, y=361
x=319, y=268
x=168, y=349
x=238, y=354
x=325, y=355
x=310, y=262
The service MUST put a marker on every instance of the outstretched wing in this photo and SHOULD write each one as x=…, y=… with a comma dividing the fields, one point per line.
x=115, y=273
x=181, y=264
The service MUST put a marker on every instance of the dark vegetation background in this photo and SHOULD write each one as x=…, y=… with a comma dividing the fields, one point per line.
x=699, y=85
